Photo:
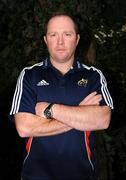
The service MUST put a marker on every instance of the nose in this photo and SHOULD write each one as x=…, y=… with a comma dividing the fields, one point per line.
x=60, y=39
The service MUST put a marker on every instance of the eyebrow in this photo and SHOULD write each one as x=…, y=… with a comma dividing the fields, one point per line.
x=68, y=31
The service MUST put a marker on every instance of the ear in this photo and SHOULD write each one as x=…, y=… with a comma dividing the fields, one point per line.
x=78, y=38
x=45, y=39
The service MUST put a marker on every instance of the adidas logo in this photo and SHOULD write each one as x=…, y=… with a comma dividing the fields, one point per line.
x=43, y=83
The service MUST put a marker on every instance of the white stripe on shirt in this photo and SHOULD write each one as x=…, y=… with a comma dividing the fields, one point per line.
x=104, y=88
x=19, y=89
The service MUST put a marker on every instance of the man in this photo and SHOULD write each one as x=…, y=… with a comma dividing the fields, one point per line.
x=57, y=105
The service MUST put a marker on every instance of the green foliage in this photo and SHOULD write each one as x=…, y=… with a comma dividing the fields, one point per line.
x=16, y=35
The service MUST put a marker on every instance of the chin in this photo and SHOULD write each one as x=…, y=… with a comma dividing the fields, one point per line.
x=61, y=60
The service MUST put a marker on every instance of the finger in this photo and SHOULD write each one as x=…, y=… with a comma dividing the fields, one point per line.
x=90, y=96
x=94, y=100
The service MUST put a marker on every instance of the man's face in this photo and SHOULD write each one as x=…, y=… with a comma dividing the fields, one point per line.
x=61, y=39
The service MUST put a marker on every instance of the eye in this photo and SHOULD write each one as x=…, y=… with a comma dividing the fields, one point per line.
x=68, y=34
x=52, y=35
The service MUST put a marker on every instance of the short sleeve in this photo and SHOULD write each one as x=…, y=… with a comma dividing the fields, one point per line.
x=99, y=84
x=24, y=99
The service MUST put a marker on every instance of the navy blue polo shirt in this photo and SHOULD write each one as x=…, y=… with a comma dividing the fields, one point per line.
x=70, y=155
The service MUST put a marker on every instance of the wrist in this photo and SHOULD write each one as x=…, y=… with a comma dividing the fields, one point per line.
x=48, y=111
x=56, y=111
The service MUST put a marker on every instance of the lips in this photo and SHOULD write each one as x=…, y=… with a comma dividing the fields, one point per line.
x=60, y=50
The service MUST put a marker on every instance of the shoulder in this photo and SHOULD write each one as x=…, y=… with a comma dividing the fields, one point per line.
x=93, y=72
x=29, y=74
x=32, y=69
x=37, y=66
x=91, y=69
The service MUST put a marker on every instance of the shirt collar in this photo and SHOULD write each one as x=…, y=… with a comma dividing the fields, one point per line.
x=77, y=65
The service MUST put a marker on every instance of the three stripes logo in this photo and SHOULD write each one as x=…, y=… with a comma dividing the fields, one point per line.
x=43, y=83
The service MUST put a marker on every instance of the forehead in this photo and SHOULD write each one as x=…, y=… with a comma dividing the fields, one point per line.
x=61, y=22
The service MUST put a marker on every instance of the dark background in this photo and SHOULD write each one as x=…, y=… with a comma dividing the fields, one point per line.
x=21, y=31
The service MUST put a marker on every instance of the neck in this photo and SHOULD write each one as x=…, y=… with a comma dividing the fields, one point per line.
x=63, y=67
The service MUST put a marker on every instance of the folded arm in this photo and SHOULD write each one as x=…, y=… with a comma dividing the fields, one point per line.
x=65, y=118
x=89, y=115
x=28, y=125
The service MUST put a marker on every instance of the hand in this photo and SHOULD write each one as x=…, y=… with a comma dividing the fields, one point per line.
x=91, y=99
x=40, y=107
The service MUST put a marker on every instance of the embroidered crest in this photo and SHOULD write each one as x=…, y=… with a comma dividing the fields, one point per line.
x=82, y=82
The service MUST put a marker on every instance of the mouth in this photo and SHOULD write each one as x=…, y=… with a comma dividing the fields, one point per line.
x=60, y=50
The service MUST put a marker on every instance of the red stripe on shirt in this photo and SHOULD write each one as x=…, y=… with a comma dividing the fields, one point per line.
x=87, y=143
x=28, y=145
